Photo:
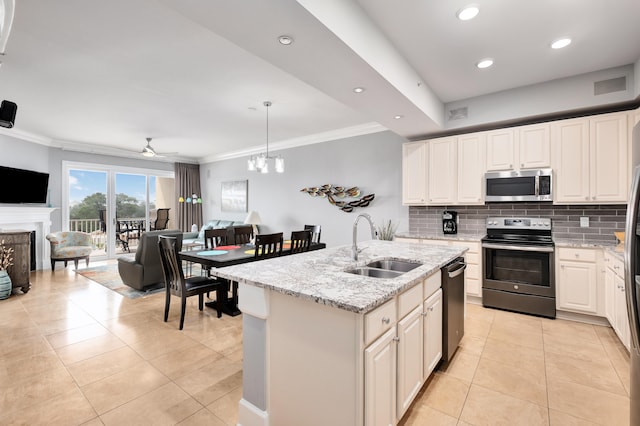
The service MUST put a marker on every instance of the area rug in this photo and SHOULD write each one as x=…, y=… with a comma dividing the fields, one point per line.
x=109, y=277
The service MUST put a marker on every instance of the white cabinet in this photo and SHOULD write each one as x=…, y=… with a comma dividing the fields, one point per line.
x=524, y=147
x=472, y=275
x=615, y=298
x=590, y=159
x=380, y=380
x=577, y=280
x=414, y=173
x=410, y=358
x=443, y=171
x=471, y=155
x=399, y=349
x=432, y=312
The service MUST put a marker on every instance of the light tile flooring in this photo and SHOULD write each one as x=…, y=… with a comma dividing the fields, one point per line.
x=73, y=352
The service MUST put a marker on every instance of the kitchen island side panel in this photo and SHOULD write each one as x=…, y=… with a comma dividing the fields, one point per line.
x=315, y=364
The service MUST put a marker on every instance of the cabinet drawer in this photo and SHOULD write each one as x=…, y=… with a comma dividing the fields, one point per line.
x=580, y=255
x=436, y=242
x=472, y=258
x=379, y=320
x=408, y=300
x=432, y=283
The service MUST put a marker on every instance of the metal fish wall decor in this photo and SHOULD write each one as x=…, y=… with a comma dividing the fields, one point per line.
x=335, y=195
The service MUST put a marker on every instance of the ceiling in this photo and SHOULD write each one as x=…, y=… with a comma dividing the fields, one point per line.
x=102, y=76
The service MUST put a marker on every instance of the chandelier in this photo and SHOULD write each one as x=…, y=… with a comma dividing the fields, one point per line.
x=260, y=162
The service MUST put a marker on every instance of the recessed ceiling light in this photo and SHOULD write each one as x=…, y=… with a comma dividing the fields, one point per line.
x=560, y=43
x=398, y=117
x=485, y=63
x=468, y=12
x=285, y=40
x=359, y=89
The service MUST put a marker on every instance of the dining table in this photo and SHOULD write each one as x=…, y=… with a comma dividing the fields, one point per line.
x=229, y=255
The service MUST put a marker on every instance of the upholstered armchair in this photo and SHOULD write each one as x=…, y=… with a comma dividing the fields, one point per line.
x=69, y=245
x=145, y=268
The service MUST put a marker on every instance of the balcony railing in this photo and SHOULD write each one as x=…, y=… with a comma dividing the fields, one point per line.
x=99, y=237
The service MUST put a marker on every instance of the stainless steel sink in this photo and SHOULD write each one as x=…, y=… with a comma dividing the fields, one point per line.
x=394, y=265
x=374, y=272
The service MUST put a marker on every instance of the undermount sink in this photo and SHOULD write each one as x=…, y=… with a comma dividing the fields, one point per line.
x=394, y=265
x=374, y=272
x=385, y=268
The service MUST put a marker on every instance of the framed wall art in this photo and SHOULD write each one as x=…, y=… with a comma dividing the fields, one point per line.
x=234, y=196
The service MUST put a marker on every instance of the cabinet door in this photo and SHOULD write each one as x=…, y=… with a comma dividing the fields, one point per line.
x=471, y=160
x=610, y=297
x=410, y=359
x=622, y=320
x=432, y=332
x=608, y=144
x=443, y=171
x=577, y=287
x=501, y=152
x=571, y=160
x=414, y=173
x=534, y=146
x=380, y=380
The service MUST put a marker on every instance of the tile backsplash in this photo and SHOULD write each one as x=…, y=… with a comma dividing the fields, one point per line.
x=603, y=219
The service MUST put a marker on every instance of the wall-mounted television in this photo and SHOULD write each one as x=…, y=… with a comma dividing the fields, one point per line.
x=18, y=186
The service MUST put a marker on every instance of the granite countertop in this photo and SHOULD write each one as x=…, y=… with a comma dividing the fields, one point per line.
x=320, y=275
x=439, y=235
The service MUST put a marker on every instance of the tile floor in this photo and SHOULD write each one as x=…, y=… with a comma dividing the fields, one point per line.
x=75, y=353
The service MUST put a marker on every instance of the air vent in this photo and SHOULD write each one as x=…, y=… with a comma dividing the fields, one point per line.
x=457, y=114
x=608, y=86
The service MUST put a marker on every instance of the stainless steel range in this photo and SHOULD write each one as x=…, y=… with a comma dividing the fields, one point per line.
x=518, y=266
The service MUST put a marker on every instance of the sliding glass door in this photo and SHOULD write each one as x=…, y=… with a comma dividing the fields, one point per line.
x=115, y=204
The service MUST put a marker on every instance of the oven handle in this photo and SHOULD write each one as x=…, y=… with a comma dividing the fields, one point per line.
x=518, y=248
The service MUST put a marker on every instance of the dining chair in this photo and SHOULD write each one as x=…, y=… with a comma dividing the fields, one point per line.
x=162, y=219
x=215, y=237
x=301, y=241
x=242, y=234
x=315, y=231
x=176, y=284
x=268, y=245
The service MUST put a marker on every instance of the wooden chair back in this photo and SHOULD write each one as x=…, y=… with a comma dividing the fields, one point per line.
x=242, y=234
x=268, y=245
x=315, y=232
x=300, y=241
x=171, y=266
x=215, y=237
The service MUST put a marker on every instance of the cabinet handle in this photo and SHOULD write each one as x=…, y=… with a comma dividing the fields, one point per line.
x=386, y=320
x=593, y=198
x=511, y=166
x=396, y=339
x=577, y=255
x=522, y=165
x=586, y=198
x=424, y=314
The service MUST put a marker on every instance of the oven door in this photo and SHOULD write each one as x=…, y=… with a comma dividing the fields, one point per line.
x=519, y=269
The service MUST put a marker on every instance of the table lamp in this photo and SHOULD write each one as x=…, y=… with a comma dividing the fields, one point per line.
x=253, y=218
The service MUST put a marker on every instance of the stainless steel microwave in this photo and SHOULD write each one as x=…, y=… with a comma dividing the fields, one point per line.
x=525, y=185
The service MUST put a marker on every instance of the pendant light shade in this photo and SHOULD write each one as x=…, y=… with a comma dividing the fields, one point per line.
x=260, y=163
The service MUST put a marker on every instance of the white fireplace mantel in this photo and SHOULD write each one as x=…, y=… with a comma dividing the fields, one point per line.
x=30, y=218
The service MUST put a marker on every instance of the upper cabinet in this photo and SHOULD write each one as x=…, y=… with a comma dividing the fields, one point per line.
x=471, y=155
x=443, y=170
x=414, y=173
x=525, y=147
x=590, y=159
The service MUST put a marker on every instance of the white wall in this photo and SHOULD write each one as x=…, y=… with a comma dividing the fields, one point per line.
x=564, y=94
x=372, y=162
x=636, y=79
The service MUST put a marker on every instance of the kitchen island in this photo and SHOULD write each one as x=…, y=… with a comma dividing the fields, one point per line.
x=324, y=346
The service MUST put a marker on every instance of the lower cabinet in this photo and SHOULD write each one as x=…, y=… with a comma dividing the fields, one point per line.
x=577, y=281
x=399, y=361
x=615, y=298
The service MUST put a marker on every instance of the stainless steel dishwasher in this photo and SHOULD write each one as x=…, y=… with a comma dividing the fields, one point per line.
x=452, y=307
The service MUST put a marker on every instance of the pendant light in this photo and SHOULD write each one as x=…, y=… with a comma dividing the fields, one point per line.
x=260, y=163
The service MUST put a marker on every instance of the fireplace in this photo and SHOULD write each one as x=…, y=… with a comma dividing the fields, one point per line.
x=35, y=219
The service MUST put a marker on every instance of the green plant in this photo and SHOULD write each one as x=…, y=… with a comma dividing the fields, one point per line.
x=5, y=256
x=387, y=230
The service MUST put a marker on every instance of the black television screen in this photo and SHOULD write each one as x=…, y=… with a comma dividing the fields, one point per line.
x=19, y=186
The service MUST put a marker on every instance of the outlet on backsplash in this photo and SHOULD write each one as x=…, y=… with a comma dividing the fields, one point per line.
x=584, y=222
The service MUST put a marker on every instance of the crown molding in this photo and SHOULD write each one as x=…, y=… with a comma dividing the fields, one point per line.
x=26, y=136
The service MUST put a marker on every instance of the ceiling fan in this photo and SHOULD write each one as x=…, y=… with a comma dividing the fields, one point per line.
x=149, y=151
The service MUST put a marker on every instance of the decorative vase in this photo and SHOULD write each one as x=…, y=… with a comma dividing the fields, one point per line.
x=5, y=284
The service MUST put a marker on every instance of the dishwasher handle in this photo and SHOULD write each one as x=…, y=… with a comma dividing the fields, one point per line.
x=458, y=271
